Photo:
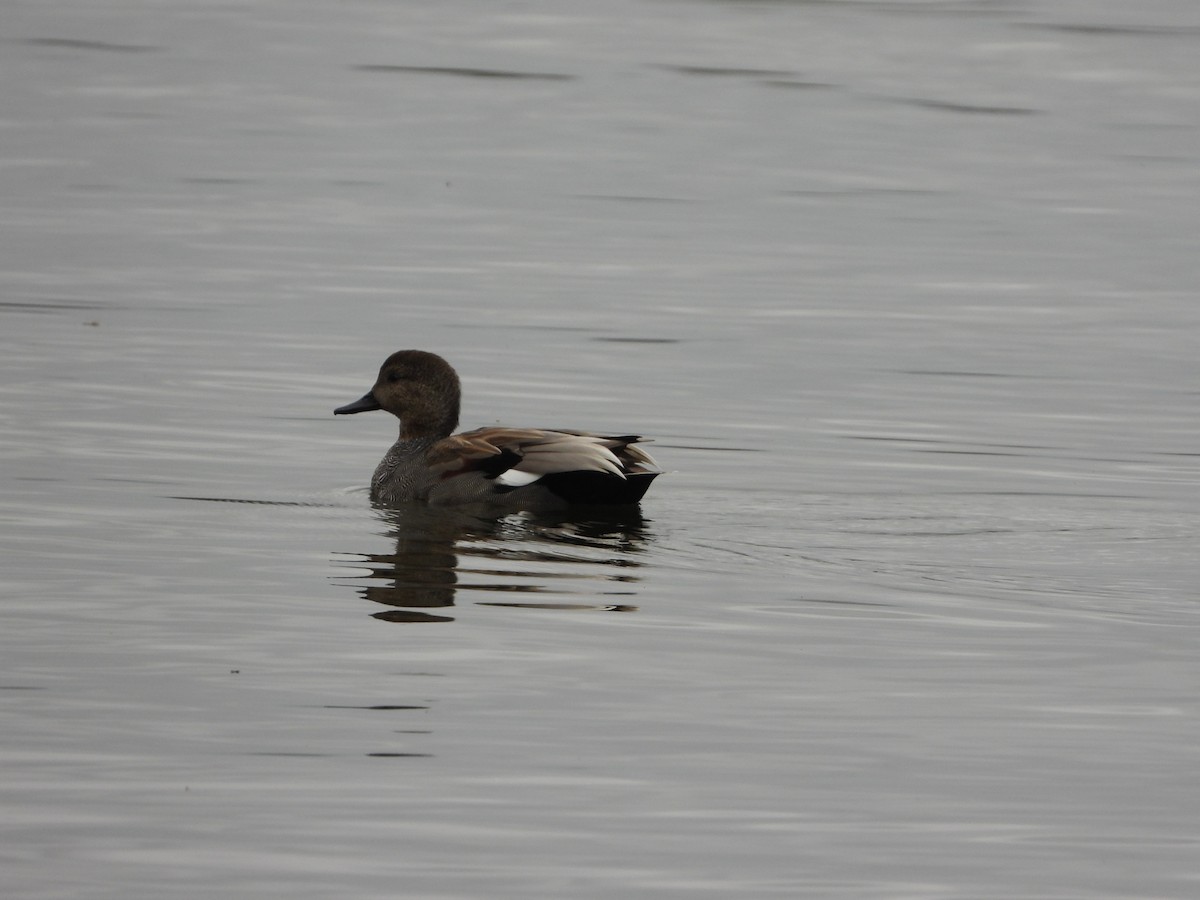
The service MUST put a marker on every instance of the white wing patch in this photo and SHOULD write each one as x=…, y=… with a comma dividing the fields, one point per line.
x=517, y=478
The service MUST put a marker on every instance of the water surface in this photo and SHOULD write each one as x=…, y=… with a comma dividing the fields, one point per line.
x=903, y=292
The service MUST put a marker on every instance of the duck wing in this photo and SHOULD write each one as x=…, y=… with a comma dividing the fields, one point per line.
x=523, y=455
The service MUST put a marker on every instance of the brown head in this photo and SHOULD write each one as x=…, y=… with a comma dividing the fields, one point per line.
x=420, y=388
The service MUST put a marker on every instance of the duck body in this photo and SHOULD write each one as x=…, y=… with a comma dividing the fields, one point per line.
x=509, y=468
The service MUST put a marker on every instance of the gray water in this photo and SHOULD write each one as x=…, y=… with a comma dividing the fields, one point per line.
x=905, y=294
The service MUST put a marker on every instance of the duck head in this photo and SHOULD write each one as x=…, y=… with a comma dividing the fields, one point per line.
x=419, y=388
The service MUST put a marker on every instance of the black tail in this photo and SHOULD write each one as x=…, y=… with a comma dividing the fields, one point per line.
x=588, y=488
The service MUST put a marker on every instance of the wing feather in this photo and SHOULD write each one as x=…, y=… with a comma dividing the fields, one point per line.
x=538, y=452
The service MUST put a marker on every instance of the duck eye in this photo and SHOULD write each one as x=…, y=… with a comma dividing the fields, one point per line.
x=393, y=377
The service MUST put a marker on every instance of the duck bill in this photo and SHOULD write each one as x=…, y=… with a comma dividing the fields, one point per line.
x=365, y=403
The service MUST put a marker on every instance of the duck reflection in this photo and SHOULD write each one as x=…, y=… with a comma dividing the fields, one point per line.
x=441, y=552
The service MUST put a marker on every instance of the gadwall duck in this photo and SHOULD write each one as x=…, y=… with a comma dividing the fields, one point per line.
x=514, y=468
